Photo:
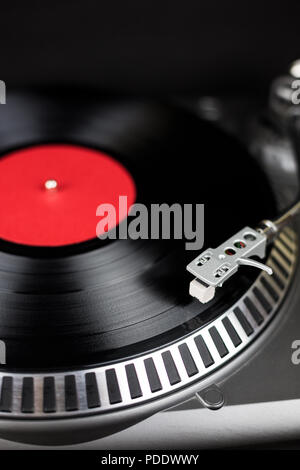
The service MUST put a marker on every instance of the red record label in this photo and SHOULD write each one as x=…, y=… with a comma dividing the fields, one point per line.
x=49, y=193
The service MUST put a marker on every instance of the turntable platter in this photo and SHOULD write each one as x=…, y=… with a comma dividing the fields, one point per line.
x=88, y=301
x=91, y=326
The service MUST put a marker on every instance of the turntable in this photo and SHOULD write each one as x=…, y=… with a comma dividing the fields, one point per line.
x=100, y=335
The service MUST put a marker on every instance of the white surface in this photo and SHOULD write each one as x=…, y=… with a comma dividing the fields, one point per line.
x=196, y=429
x=200, y=292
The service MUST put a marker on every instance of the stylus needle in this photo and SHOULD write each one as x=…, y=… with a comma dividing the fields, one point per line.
x=214, y=266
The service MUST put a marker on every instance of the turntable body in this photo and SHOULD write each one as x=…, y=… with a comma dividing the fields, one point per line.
x=101, y=336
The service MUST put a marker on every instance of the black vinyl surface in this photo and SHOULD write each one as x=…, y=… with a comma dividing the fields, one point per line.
x=94, y=302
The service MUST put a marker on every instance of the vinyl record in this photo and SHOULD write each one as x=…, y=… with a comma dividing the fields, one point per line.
x=80, y=300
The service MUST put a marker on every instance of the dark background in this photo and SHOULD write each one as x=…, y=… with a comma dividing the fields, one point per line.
x=147, y=46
